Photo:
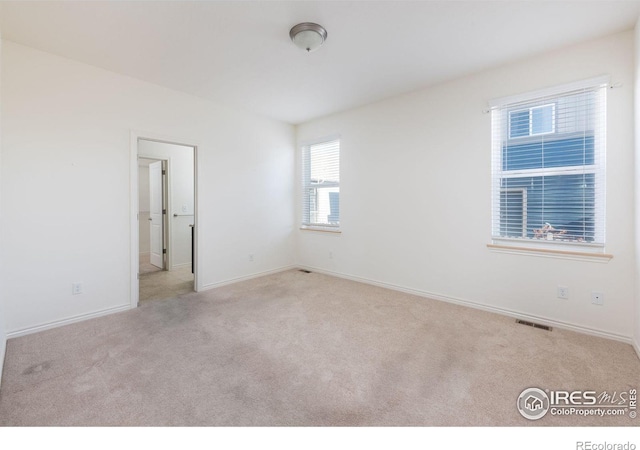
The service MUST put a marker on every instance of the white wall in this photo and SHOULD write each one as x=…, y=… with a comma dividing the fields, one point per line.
x=3, y=336
x=180, y=161
x=415, y=196
x=66, y=175
x=637, y=187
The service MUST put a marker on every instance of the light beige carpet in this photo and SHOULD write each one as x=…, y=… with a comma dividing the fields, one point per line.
x=145, y=265
x=162, y=284
x=302, y=349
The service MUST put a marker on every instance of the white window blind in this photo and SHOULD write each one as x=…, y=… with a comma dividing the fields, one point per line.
x=321, y=184
x=548, y=165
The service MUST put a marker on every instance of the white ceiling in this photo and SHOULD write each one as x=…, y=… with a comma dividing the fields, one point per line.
x=239, y=53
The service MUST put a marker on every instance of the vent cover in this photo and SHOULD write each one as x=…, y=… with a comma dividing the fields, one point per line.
x=534, y=325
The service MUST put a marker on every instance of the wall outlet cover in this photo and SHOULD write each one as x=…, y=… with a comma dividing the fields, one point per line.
x=563, y=292
x=76, y=288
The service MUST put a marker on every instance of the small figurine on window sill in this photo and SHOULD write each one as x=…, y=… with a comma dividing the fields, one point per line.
x=547, y=232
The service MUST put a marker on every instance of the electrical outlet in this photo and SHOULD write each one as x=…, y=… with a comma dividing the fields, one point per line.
x=563, y=292
x=250, y=256
x=76, y=288
x=330, y=255
x=597, y=298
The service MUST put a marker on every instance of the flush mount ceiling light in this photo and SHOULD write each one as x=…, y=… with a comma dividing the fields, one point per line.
x=308, y=36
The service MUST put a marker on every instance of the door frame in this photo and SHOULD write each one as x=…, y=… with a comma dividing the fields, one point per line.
x=134, y=231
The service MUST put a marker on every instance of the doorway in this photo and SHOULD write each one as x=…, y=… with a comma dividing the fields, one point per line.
x=165, y=234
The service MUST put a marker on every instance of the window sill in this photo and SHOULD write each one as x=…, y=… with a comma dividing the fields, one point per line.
x=321, y=229
x=551, y=253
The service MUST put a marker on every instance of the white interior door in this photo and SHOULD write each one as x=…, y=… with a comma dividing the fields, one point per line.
x=156, y=220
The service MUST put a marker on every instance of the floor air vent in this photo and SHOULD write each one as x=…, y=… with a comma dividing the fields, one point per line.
x=534, y=325
x=305, y=271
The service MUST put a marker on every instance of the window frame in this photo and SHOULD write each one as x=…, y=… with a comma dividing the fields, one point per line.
x=307, y=185
x=501, y=115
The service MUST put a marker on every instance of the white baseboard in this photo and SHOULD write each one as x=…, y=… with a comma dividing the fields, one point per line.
x=104, y=312
x=480, y=306
x=206, y=287
x=425, y=294
x=70, y=320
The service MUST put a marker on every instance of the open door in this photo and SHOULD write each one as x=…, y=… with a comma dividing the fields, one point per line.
x=156, y=219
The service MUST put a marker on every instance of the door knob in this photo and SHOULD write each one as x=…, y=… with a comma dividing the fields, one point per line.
x=150, y=219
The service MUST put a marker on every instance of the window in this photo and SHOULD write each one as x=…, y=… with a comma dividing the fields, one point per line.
x=548, y=165
x=321, y=184
x=532, y=121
